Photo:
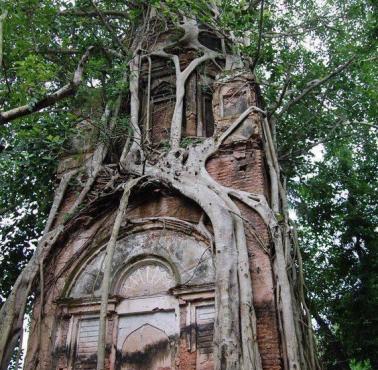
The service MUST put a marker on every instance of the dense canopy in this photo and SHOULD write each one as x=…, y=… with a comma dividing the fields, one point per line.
x=316, y=63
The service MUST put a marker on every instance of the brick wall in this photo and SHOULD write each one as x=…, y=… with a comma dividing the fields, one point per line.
x=238, y=164
x=242, y=167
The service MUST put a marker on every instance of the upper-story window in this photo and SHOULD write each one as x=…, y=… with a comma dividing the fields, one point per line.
x=234, y=103
x=158, y=104
x=162, y=106
x=207, y=113
x=198, y=120
x=210, y=40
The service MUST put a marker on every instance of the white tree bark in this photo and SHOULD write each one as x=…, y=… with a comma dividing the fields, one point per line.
x=105, y=285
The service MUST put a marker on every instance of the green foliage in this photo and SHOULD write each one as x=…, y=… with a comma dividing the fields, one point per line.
x=338, y=211
x=35, y=63
x=327, y=142
x=333, y=192
x=187, y=141
x=27, y=165
x=354, y=365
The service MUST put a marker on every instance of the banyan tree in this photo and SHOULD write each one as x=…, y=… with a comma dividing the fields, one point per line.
x=172, y=249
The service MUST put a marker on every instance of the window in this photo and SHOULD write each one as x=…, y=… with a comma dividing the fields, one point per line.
x=85, y=348
x=234, y=103
x=205, y=332
x=163, y=100
x=207, y=114
x=148, y=319
x=205, y=328
x=200, y=318
x=210, y=40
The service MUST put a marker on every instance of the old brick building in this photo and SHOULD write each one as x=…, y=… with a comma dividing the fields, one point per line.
x=161, y=306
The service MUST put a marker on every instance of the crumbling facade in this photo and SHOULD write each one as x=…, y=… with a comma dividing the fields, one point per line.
x=169, y=290
x=161, y=308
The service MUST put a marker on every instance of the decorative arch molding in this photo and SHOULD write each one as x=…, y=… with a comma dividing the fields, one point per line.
x=147, y=275
x=179, y=245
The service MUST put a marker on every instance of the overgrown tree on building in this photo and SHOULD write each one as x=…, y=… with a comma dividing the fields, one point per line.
x=64, y=62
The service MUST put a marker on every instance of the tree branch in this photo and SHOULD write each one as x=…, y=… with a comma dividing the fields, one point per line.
x=39, y=50
x=276, y=105
x=6, y=77
x=256, y=59
x=108, y=26
x=314, y=84
x=336, y=346
x=2, y=18
x=237, y=122
x=307, y=148
x=93, y=13
x=53, y=51
x=67, y=90
x=105, y=285
x=372, y=125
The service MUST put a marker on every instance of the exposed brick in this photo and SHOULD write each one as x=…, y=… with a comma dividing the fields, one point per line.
x=239, y=165
x=242, y=167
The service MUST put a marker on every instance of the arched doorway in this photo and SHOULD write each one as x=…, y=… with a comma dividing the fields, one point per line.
x=161, y=303
x=148, y=327
x=146, y=348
